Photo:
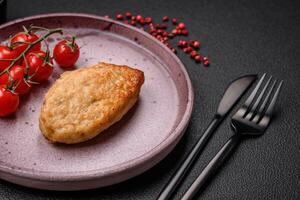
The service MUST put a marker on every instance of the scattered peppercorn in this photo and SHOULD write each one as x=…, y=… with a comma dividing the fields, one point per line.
x=128, y=15
x=161, y=33
x=142, y=21
x=174, y=50
x=148, y=20
x=205, y=58
x=133, y=23
x=165, y=18
x=184, y=32
x=193, y=54
x=171, y=35
x=196, y=44
x=191, y=42
x=181, y=26
x=139, y=17
x=174, y=21
x=206, y=63
x=119, y=17
x=197, y=58
x=182, y=43
x=187, y=49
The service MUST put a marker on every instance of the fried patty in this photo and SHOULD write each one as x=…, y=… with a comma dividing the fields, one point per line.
x=83, y=103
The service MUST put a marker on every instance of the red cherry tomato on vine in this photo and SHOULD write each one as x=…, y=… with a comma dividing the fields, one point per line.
x=6, y=54
x=9, y=102
x=25, y=37
x=66, y=53
x=4, y=79
x=16, y=80
x=40, y=65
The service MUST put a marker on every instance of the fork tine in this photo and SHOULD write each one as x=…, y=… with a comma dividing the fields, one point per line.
x=265, y=116
x=249, y=101
x=260, y=113
x=255, y=106
x=273, y=101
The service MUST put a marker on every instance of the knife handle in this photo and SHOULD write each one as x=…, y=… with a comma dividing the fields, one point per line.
x=212, y=166
x=189, y=160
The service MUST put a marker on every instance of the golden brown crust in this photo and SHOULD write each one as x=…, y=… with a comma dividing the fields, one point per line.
x=84, y=102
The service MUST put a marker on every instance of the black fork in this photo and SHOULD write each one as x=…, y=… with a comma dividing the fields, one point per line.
x=251, y=119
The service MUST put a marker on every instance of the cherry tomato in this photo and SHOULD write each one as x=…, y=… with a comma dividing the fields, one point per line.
x=25, y=37
x=4, y=79
x=16, y=80
x=40, y=65
x=7, y=54
x=9, y=102
x=66, y=53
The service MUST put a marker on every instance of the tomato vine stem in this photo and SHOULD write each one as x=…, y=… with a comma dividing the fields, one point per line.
x=50, y=32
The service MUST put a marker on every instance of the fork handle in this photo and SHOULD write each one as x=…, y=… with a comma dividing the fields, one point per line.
x=187, y=163
x=212, y=166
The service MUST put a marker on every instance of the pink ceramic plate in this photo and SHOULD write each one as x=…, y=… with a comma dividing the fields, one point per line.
x=139, y=141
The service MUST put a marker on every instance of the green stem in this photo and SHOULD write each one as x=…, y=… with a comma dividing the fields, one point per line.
x=52, y=31
x=38, y=27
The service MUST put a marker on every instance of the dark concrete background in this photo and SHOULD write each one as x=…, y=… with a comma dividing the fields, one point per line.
x=240, y=37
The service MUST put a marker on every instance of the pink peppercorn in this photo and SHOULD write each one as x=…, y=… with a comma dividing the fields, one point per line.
x=187, y=49
x=193, y=54
x=154, y=34
x=174, y=21
x=181, y=26
x=196, y=44
x=165, y=18
x=197, y=58
x=171, y=35
x=184, y=32
x=148, y=20
x=165, y=33
x=139, y=17
x=191, y=42
x=182, y=43
x=206, y=63
x=174, y=31
x=128, y=15
x=133, y=23
x=159, y=31
x=174, y=50
x=141, y=20
x=152, y=30
x=119, y=17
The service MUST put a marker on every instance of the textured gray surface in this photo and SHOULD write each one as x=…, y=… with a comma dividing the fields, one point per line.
x=240, y=37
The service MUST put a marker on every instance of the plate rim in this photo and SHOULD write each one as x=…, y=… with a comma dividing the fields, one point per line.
x=108, y=171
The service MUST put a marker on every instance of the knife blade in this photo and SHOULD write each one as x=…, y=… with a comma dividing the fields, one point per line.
x=233, y=93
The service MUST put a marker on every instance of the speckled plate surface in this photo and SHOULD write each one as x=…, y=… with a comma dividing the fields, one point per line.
x=139, y=141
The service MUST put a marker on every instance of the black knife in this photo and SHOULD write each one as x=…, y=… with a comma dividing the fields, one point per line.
x=233, y=93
